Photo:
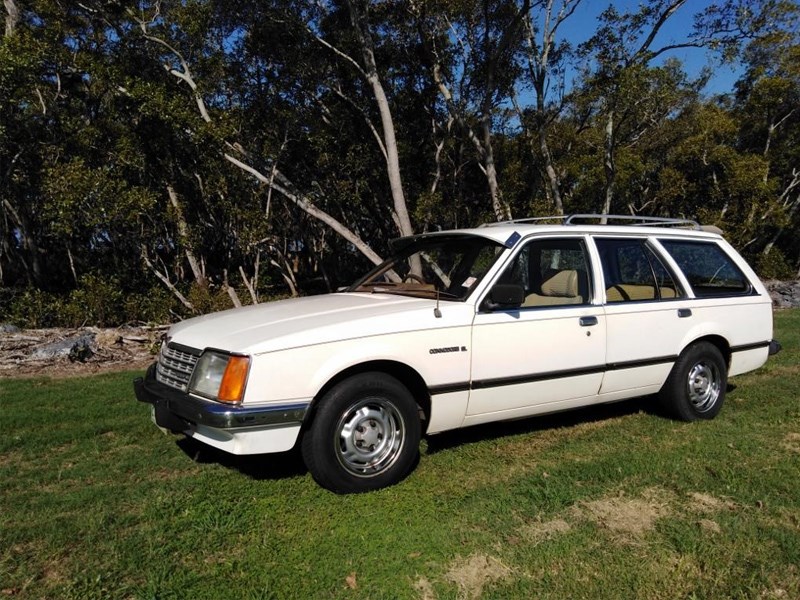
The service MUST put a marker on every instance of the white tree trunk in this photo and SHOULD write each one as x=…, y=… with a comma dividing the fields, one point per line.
x=608, y=164
x=387, y=123
x=502, y=212
x=12, y=16
x=311, y=209
x=183, y=234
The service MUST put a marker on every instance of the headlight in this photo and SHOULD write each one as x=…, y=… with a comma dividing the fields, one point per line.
x=220, y=376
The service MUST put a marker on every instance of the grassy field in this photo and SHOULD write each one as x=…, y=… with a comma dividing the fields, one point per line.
x=612, y=502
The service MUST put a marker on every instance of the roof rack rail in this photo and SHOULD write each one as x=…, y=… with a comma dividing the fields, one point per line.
x=525, y=220
x=637, y=221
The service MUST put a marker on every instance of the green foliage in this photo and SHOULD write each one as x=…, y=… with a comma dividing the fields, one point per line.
x=206, y=299
x=36, y=309
x=94, y=131
x=96, y=301
x=774, y=266
x=153, y=306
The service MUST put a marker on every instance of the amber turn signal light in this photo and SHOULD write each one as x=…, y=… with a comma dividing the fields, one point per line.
x=232, y=387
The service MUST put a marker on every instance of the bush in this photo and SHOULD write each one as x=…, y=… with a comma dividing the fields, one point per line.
x=35, y=309
x=206, y=299
x=97, y=302
x=153, y=306
x=774, y=266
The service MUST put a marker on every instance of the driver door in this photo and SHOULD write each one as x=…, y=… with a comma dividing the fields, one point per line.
x=548, y=353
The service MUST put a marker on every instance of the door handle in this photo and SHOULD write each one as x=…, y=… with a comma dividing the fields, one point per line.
x=684, y=312
x=588, y=321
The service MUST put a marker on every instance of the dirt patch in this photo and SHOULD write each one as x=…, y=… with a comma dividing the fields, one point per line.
x=53, y=573
x=473, y=573
x=792, y=442
x=628, y=519
x=706, y=503
x=709, y=526
x=540, y=532
x=786, y=585
x=424, y=589
x=11, y=458
x=76, y=352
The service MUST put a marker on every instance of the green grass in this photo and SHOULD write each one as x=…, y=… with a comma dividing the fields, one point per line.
x=612, y=502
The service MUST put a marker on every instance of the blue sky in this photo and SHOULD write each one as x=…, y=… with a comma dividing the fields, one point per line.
x=584, y=22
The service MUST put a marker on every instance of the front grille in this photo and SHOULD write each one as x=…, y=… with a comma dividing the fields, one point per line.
x=175, y=366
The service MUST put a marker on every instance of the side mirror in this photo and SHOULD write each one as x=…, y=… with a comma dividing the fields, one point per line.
x=505, y=296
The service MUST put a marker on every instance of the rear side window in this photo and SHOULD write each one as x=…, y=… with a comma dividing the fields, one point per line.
x=710, y=271
x=633, y=273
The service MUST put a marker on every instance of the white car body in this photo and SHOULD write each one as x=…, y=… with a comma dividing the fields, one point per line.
x=467, y=365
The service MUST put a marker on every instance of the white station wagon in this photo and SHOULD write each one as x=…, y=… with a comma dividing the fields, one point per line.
x=465, y=327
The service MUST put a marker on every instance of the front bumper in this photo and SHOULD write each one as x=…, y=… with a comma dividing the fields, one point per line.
x=181, y=412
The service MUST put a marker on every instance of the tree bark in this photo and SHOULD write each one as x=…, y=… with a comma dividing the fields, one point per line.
x=608, y=164
x=552, y=176
x=308, y=207
x=185, y=239
x=250, y=289
x=232, y=294
x=165, y=280
x=12, y=16
x=538, y=68
x=502, y=211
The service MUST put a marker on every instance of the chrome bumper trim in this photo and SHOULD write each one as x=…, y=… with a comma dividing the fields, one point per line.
x=178, y=410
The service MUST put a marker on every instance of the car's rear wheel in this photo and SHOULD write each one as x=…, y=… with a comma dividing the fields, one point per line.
x=364, y=436
x=695, y=388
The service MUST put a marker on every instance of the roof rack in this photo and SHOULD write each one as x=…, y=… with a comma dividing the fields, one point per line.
x=636, y=220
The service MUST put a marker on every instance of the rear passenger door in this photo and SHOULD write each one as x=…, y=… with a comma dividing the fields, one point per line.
x=549, y=353
x=648, y=316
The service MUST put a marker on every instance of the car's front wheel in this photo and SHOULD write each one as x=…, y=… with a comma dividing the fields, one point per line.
x=695, y=388
x=364, y=436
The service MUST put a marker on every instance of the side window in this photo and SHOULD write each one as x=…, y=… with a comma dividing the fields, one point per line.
x=553, y=272
x=710, y=271
x=633, y=272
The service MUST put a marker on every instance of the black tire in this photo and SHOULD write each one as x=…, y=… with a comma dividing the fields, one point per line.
x=364, y=436
x=695, y=388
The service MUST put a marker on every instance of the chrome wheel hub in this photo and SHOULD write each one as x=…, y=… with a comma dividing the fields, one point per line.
x=704, y=385
x=369, y=437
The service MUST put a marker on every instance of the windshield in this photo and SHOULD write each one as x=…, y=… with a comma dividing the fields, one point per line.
x=447, y=267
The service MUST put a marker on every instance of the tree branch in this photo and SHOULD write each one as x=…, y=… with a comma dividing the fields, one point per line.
x=338, y=53
x=366, y=118
x=165, y=280
x=657, y=27
x=308, y=207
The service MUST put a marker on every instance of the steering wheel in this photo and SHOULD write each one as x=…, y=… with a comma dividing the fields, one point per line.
x=415, y=277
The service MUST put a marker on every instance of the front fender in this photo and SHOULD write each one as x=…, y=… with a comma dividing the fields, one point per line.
x=440, y=356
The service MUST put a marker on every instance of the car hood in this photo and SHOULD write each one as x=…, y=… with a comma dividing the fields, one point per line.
x=301, y=322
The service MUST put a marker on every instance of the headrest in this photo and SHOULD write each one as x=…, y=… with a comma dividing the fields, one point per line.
x=563, y=284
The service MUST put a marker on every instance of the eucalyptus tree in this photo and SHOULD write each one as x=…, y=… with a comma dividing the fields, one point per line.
x=471, y=49
x=626, y=46
x=322, y=62
x=545, y=57
x=69, y=204
x=767, y=106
